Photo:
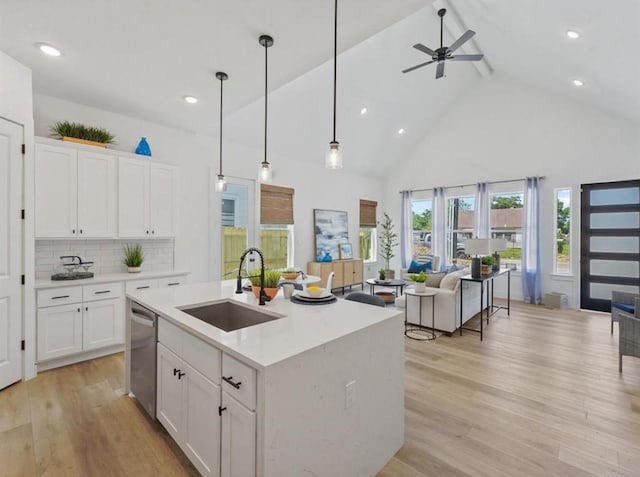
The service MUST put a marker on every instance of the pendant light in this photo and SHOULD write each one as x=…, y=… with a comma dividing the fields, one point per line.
x=333, y=159
x=265, y=168
x=221, y=183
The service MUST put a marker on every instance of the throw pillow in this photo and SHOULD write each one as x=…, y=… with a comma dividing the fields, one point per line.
x=450, y=281
x=452, y=268
x=416, y=267
x=434, y=279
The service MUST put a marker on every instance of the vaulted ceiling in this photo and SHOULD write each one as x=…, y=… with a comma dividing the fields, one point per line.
x=139, y=59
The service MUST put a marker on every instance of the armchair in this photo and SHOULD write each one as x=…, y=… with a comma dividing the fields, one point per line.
x=629, y=341
x=622, y=302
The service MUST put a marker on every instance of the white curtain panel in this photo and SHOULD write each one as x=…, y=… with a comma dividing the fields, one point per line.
x=482, y=216
x=531, y=278
x=406, y=230
x=439, y=226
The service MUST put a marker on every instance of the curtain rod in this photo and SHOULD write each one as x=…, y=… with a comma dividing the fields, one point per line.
x=468, y=185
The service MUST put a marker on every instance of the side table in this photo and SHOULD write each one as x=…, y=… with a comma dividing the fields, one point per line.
x=419, y=332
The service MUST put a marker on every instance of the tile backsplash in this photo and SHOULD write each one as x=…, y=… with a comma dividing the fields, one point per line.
x=106, y=255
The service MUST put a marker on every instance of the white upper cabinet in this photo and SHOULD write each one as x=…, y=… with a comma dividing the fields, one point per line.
x=75, y=193
x=56, y=191
x=146, y=194
x=96, y=195
x=133, y=198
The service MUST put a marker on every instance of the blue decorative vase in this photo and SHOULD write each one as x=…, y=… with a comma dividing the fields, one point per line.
x=143, y=147
x=327, y=257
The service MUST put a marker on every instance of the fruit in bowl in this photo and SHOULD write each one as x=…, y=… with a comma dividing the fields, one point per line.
x=315, y=292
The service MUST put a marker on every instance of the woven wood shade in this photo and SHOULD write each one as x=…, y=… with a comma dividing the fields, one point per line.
x=276, y=204
x=368, y=213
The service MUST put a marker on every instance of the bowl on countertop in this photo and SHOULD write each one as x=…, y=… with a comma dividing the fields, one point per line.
x=316, y=292
x=290, y=275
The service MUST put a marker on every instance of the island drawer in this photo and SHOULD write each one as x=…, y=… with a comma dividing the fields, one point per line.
x=171, y=281
x=170, y=336
x=135, y=285
x=59, y=296
x=239, y=381
x=101, y=291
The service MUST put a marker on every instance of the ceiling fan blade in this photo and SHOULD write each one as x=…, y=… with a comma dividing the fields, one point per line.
x=424, y=49
x=418, y=66
x=466, y=36
x=440, y=70
x=466, y=58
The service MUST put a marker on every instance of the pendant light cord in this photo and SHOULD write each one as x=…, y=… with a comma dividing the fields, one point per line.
x=441, y=28
x=335, y=65
x=221, y=82
x=266, y=68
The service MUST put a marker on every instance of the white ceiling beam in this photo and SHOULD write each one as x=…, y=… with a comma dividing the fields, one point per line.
x=456, y=28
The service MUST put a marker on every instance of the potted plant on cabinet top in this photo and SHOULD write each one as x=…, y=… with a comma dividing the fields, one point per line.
x=487, y=262
x=388, y=240
x=419, y=279
x=133, y=257
x=271, y=279
x=76, y=132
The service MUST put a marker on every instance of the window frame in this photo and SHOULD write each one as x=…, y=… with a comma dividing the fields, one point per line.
x=374, y=244
x=508, y=192
x=555, y=231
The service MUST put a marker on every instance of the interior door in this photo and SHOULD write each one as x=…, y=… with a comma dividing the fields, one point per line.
x=610, y=242
x=11, y=136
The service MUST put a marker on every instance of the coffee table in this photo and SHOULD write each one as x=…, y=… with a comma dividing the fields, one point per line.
x=397, y=284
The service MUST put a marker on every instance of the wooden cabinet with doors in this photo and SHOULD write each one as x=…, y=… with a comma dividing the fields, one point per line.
x=346, y=272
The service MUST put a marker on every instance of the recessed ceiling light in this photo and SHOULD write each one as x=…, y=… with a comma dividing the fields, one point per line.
x=401, y=131
x=574, y=35
x=578, y=82
x=190, y=99
x=49, y=50
x=364, y=110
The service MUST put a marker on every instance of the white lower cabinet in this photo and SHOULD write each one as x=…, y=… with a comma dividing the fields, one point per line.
x=102, y=324
x=59, y=331
x=215, y=430
x=238, y=448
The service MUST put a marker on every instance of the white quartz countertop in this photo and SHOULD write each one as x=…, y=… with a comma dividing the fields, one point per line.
x=106, y=278
x=303, y=327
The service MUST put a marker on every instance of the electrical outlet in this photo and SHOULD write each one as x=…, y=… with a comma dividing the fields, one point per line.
x=350, y=394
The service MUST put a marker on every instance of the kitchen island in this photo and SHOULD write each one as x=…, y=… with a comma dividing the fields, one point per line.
x=317, y=391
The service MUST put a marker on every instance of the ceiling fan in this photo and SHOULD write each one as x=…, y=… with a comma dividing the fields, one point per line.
x=444, y=53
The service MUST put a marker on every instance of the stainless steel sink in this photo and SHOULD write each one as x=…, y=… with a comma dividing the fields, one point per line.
x=229, y=316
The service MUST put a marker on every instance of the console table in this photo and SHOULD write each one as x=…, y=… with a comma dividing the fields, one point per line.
x=486, y=282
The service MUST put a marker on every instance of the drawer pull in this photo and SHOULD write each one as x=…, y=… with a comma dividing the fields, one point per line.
x=172, y=284
x=59, y=297
x=102, y=292
x=230, y=381
x=142, y=288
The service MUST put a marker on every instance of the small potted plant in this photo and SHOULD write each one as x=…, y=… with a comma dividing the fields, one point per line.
x=76, y=132
x=419, y=279
x=271, y=279
x=133, y=257
x=382, y=273
x=487, y=262
x=388, y=240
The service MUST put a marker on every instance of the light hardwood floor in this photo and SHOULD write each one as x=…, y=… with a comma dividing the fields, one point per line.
x=540, y=396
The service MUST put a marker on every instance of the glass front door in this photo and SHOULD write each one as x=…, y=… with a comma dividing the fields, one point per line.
x=610, y=242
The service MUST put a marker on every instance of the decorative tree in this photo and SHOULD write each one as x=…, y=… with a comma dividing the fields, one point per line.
x=388, y=240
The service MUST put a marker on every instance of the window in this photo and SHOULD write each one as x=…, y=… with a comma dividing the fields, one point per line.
x=506, y=223
x=276, y=226
x=367, y=233
x=421, y=211
x=562, y=232
x=460, y=217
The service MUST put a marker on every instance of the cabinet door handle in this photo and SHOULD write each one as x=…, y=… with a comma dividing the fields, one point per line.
x=180, y=374
x=73, y=231
x=102, y=292
x=172, y=284
x=230, y=381
x=147, y=232
x=59, y=297
x=80, y=230
x=86, y=308
x=79, y=310
x=153, y=231
x=142, y=288
x=175, y=371
x=220, y=409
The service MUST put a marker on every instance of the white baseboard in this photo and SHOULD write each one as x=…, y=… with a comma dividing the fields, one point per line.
x=77, y=358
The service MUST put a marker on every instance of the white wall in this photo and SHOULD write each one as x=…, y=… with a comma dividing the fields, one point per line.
x=196, y=155
x=501, y=130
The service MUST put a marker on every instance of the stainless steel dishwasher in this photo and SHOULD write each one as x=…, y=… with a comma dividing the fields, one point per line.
x=144, y=341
